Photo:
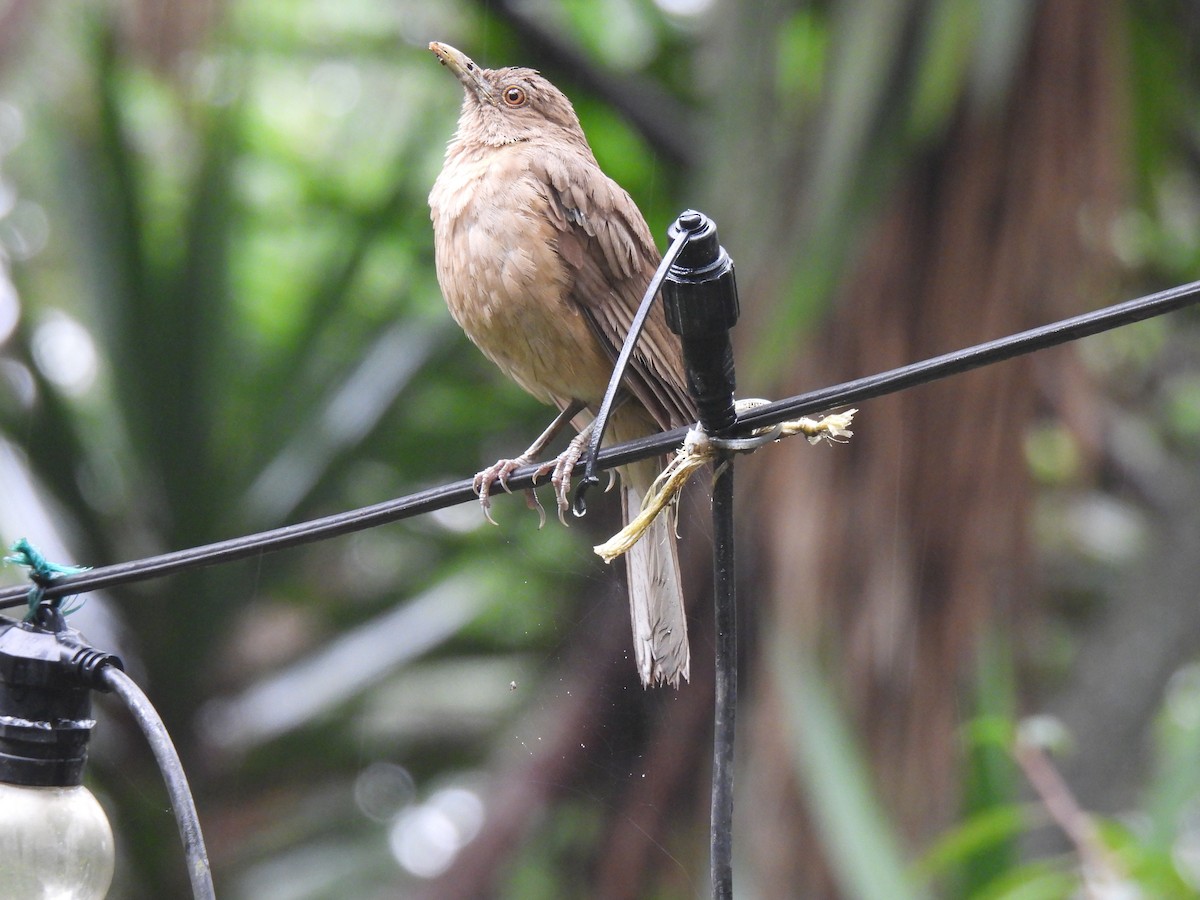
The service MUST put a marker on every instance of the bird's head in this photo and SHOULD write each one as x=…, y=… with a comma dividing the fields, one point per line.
x=503, y=106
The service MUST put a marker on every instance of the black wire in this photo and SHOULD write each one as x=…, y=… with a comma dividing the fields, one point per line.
x=769, y=414
x=199, y=872
x=600, y=423
x=263, y=542
x=975, y=357
x=725, y=666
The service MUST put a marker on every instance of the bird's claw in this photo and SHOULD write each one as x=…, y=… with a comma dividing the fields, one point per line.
x=559, y=469
x=532, y=501
x=497, y=472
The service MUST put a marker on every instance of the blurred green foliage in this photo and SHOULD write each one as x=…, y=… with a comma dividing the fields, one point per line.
x=245, y=239
x=236, y=232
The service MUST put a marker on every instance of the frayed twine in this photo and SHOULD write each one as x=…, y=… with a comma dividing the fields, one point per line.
x=41, y=572
x=699, y=450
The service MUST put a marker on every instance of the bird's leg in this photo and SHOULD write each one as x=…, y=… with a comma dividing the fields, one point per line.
x=500, y=470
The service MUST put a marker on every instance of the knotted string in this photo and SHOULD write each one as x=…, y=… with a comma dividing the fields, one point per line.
x=699, y=449
x=41, y=572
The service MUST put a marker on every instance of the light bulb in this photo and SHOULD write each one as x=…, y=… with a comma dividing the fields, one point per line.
x=55, y=841
x=55, y=844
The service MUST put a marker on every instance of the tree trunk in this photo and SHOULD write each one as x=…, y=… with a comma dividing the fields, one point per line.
x=892, y=553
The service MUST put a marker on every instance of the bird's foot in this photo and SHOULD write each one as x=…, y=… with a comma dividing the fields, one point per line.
x=561, y=470
x=497, y=473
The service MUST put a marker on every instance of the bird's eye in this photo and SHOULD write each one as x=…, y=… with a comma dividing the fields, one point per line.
x=514, y=96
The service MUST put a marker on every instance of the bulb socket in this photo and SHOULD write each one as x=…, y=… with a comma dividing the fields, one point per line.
x=46, y=681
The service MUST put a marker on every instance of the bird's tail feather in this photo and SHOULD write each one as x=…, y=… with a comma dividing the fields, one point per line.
x=656, y=605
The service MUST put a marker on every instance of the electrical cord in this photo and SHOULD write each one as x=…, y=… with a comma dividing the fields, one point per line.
x=184, y=807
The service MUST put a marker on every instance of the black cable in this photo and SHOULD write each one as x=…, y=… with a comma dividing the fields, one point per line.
x=725, y=666
x=263, y=542
x=844, y=394
x=959, y=361
x=184, y=807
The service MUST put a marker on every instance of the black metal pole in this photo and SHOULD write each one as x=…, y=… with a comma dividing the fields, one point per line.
x=700, y=300
x=725, y=665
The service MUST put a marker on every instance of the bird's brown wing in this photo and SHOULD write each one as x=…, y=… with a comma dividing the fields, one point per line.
x=608, y=248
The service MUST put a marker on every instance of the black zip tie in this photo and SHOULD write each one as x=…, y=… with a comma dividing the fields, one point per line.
x=600, y=423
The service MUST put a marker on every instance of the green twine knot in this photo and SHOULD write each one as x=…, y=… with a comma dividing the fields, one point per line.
x=41, y=572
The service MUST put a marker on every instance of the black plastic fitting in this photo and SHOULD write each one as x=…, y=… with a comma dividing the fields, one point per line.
x=47, y=675
x=701, y=302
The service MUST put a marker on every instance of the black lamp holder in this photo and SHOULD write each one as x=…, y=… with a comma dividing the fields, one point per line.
x=47, y=675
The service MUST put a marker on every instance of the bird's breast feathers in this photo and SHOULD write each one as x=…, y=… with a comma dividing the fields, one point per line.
x=505, y=282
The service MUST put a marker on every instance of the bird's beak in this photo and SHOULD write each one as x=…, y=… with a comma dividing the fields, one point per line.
x=464, y=69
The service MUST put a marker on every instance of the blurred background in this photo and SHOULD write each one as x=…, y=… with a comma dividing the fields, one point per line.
x=970, y=637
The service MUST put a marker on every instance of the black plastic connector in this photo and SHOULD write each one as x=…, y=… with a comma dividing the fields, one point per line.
x=701, y=303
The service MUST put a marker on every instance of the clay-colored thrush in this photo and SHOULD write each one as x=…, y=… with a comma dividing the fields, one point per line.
x=543, y=260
